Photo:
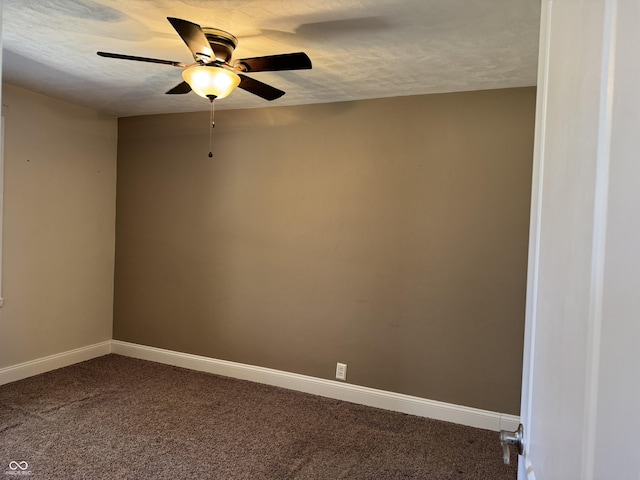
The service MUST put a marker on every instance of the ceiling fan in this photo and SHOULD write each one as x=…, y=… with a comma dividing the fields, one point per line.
x=214, y=75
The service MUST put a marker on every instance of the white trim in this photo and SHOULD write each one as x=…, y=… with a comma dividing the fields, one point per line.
x=1, y=182
x=371, y=397
x=1, y=160
x=52, y=362
x=598, y=252
x=525, y=468
x=398, y=402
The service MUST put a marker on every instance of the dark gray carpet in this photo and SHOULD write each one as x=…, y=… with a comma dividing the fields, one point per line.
x=120, y=418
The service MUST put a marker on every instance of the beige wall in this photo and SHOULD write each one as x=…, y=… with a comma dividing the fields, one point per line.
x=388, y=234
x=59, y=217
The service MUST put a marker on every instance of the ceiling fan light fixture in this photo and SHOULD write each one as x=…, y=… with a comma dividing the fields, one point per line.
x=208, y=81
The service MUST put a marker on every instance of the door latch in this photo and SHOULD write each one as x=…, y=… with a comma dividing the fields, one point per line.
x=512, y=438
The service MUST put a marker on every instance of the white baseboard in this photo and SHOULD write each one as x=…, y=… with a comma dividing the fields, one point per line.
x=472, y=417
x=52, y=362
x=372, y=397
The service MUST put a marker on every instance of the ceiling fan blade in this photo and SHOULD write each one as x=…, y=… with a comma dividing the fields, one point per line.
x=259, y=88
x=271, y=63
x=195, y=39
x=142, y=59
x=181, y=88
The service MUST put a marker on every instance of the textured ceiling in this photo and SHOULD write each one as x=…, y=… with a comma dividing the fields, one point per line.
x=359, y=48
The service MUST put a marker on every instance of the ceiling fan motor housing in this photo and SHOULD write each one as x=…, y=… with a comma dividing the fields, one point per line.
x=222, y=43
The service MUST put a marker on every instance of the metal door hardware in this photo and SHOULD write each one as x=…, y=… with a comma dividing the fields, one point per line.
x=512, y=438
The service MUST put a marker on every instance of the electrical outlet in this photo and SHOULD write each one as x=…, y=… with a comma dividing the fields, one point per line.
x=341, y=371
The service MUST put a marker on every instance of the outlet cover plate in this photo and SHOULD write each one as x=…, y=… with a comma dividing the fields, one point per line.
x=341, y=371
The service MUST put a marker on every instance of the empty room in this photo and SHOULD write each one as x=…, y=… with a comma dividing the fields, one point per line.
x=301, y=240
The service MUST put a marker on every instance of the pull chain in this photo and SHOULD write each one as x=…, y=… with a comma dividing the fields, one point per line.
x=212, y=125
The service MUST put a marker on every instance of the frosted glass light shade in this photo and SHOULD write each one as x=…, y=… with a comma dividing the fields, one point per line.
x=210, y=80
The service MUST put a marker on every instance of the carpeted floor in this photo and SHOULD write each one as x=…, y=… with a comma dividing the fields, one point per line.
x=120, y=418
